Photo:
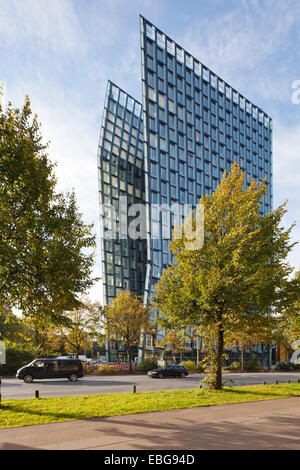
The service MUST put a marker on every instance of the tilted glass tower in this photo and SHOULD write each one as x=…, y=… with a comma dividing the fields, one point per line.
x=193, y=126
x=121, y=184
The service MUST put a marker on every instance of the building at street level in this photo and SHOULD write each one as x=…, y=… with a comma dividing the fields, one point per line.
x=170, y=149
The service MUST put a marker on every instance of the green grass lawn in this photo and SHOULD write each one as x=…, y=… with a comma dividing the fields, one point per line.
x=50, y=410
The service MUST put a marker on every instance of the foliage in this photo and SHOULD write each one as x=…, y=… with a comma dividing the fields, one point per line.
x=174, y=341
x=16, y=358
x=238, y=274
x=46, y=340
x=210, y=362
x=147, y=364
x=45, y=247
x=264, y=329
x=104, y=370
x=12, y=329
x=235, y=365
x=191, y=366
x=286, y=367
x=289, y=320
x=253, y=364
x=84, y=326
x=126, y=319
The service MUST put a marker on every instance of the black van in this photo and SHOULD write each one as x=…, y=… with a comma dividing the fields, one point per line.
x=51, y=369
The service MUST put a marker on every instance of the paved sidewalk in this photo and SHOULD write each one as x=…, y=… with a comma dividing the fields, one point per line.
x=271, y=424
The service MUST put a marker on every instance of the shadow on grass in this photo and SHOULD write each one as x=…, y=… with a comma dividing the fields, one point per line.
x=83, y=414
x=44, y=413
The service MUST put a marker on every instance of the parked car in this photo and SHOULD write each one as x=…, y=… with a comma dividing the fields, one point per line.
x=45, y=368
x=169, y=371
x=101, y=359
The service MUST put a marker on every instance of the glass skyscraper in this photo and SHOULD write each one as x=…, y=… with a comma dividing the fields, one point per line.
x=121, y=184
x=172, y=149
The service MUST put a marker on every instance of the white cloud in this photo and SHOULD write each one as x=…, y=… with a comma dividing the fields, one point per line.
x=73, y=132
x=74, y=137
x=241, y=45
x=252, y=47
x=287, y=157
x=52, y=24
x=286, y=177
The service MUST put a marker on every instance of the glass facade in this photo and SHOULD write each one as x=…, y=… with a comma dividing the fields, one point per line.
x=195, y=127
x=190, y=128
x=121, y=173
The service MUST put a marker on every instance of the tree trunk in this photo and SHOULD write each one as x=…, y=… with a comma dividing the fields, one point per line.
x=268, y=357
x=129, y=357
x=220, y=351
x=143, y=345
x=153, y=345
x=163, y=357
x=243, y=358
x=197, y=360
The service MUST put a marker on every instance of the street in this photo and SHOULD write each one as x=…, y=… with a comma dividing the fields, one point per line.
x=89, y=385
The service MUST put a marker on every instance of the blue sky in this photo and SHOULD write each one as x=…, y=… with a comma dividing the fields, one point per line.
x=61, y=53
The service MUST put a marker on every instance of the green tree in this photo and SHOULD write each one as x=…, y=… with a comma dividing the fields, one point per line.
x=240, y=271
x=174, y=342
x=44, y=338
x=263, y=329
x=125, y=320
x=46, y=250
x=289, y=320
x=84, y=327
x=11, y=328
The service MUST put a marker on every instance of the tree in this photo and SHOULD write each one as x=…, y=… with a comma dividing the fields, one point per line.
x=263, y=329
x=84, y=327
x=12, y=329
x=46, y=250
x=126, y=319
x=289, y=320
x=45, y=339
x=239, y=272
x=175, y=342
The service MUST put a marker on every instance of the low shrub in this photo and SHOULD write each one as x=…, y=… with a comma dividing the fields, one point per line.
x=286, y=367
x=104, y=370
x=146, y=365
x=110, y=370
x=283, y=367
x=191, y=366
x=15, y=359
x=252, y=364
x=235, y=365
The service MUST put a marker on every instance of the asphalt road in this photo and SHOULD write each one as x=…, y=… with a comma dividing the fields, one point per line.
x=90, y=385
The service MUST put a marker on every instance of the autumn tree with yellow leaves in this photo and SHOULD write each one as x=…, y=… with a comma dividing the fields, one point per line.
x=238, y=275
